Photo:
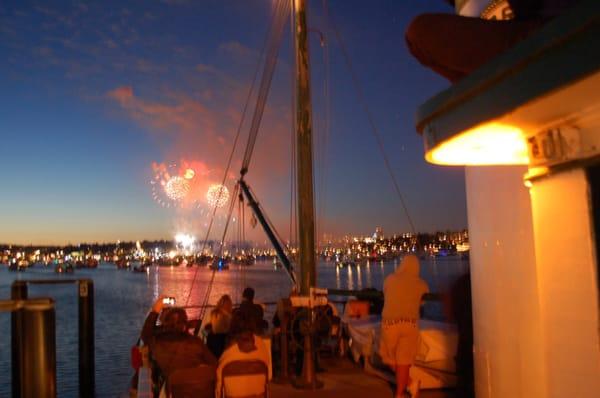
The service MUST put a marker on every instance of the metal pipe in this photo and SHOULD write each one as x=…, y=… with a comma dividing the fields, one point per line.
x=34, y=356
x=87, y=381
x=38, y=353
x=18, y=291
x=270, y=234
x=87, y=369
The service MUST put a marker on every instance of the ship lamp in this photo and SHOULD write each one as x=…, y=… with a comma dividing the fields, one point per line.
x=485, y=145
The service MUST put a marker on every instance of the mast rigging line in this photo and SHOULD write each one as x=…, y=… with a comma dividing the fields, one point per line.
x=214, y=272
x=374, y=128
x=274, y=43
x=269, y=33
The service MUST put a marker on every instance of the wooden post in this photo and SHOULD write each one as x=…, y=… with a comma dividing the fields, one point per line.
x=306, y=221
x=306, y=213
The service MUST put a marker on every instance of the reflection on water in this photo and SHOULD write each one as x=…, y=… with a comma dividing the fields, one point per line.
x=122, y=300
x=350, y=279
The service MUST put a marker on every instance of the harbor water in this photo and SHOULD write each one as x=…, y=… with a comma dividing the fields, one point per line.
x=123, y=298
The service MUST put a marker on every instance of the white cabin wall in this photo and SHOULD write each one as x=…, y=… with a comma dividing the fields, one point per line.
x=568, y=283
x=508, y=340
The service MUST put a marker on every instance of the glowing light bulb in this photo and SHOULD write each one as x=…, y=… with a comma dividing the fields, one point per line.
x=488, y=144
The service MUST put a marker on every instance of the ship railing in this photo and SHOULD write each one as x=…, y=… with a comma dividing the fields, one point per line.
x=33, y=351
x=85, y=293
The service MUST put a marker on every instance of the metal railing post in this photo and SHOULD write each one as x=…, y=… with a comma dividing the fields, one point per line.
x=18, y=292
x=87, y=379
x=34, y=357
x=87, y=368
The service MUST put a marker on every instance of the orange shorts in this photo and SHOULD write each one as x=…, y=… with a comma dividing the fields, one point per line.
x=399, y=343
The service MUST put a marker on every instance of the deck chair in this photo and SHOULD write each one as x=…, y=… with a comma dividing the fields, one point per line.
x=238, y=369
x=196, y=382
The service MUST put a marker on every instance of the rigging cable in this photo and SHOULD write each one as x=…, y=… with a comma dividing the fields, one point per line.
x=235, y=141
x=267, y=78
x=214, y=272
x=374, y=129
x=293, y=197
x=326, y=127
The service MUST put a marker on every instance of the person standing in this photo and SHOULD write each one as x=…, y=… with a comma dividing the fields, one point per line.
x=403, y=293
x=218, y=328
x=252, y=312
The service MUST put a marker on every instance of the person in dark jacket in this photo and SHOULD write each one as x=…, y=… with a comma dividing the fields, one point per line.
x=454, y=46
x=251, y=312
x=171, y=346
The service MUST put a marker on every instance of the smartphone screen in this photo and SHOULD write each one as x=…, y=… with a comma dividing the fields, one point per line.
x=169, y=300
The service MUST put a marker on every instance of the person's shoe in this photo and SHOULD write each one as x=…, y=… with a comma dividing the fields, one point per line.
x=413, y=388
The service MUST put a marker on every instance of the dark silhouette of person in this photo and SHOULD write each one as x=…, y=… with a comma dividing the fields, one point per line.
x=171, y=346
x=251, y=312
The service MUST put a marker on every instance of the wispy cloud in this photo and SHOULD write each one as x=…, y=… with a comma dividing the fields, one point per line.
x=238, y=50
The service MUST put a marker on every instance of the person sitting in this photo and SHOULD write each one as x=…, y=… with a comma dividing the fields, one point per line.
x=244, y=345
x=254, y=313
x=454, y=45
x=173, y=349
x=218, y=328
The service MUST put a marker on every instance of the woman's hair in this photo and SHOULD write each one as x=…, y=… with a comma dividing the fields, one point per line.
x=175, y=320
x=225, y=299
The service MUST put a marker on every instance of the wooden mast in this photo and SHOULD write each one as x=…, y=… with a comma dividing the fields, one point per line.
x=306, y=215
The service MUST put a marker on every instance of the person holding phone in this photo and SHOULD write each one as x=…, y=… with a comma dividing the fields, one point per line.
x=171, y=346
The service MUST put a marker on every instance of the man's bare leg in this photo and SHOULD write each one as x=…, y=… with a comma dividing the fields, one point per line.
x=401, y=380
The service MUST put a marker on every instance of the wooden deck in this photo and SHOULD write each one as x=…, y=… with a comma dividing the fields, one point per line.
x=345, y=379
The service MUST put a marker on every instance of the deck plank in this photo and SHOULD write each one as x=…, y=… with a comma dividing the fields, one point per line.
x=346, y=379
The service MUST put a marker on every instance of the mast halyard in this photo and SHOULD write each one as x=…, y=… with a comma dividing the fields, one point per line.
x=306, y=215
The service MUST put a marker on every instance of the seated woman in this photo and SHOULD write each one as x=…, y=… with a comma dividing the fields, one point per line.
x=244, y=345
x=174, y=350
x=218, y=328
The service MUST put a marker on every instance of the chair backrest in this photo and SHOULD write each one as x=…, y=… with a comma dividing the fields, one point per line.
x=197, y=382
x=250, y=367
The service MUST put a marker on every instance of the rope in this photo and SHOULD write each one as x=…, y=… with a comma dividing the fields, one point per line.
x=214, y=272
x=374, y=129
x=293, y=208
x=235, y=141
x=272, y=45
x=326, y=131
x=282, y=9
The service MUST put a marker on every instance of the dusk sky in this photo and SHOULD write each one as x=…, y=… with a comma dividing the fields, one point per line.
x=95, y=99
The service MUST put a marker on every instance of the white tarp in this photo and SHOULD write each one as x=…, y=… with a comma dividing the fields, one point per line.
x=437, y=348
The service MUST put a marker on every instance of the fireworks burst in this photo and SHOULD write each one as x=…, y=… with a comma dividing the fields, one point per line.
x=171, y=187
x=217, y=195
x=177, y=188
